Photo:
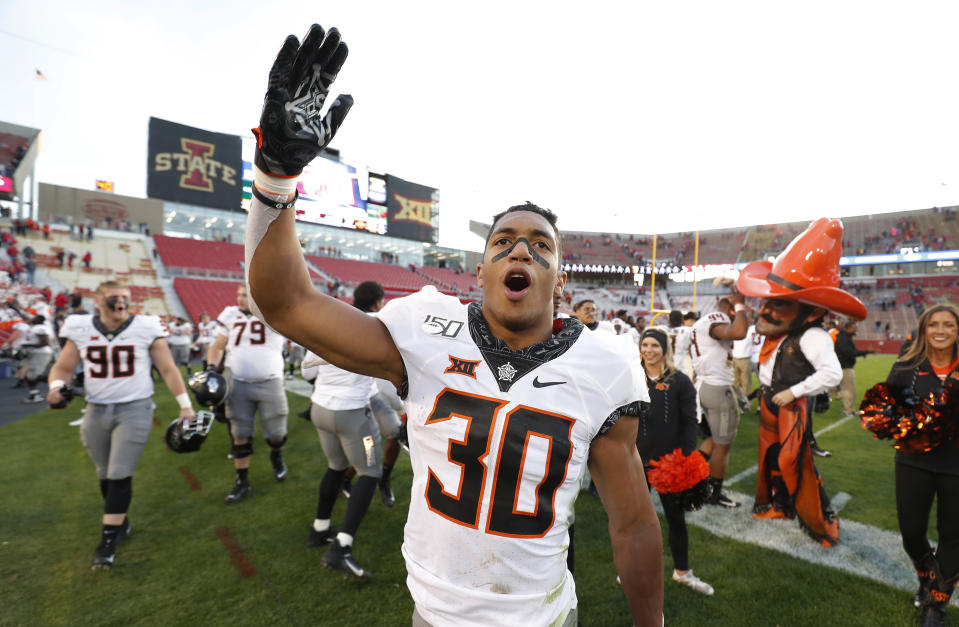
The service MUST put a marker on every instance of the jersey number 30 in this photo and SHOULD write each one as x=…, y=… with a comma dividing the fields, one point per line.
x=504, y=518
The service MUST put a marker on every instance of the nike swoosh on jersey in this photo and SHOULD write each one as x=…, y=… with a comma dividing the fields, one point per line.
x=545, y=384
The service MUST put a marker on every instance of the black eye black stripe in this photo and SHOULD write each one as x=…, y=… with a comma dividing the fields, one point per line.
x=536, y=257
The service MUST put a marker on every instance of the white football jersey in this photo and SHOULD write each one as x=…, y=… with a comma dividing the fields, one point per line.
x=116, y=364
x=206, y=332
x=499, y=441
x=24, y=330
x=180, y=334
x=35, y=333
x=254, y=351
x=334, y=388
x=682, y=337
x=711, y=357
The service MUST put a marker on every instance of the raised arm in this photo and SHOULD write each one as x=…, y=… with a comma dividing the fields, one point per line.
x=291, y=134
x=617, y=470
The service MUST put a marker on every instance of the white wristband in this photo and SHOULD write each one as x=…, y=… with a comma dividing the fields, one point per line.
x=739, y=307
x=184, y=401
x=56, y=384
x=274, y=185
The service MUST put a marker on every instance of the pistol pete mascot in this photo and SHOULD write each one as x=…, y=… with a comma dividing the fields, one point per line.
x=797, y=361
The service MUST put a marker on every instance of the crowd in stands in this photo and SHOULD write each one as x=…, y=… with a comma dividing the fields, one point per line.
x=12, y=151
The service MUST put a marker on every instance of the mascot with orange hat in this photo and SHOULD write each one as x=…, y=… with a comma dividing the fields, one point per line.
x=797, y=361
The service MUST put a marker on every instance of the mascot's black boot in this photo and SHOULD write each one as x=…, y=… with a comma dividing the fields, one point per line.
x=940, y=590
x=924, y=568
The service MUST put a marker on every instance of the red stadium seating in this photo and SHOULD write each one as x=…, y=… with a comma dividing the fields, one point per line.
x=450, y=279
x=205, y=295
x=203, y=257
x=8, y=147
x=178, y=252
x=348, y=271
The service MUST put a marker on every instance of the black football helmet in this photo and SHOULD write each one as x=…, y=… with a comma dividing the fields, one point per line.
x=189, y=436
x=210, y=388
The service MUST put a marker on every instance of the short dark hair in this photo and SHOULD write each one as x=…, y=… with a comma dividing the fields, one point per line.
x=580, y=304
x=675, y=318
x=724, y=303
x=528, y=206
x=691, y=315
x=367, y=294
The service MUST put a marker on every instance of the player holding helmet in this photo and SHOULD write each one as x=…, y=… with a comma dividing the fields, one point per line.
x=116, y=349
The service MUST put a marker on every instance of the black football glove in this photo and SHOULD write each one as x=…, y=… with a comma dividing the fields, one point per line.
x=292, y=132
x=67, y=393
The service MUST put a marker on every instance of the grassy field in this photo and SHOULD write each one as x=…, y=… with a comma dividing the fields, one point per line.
x=176, y=569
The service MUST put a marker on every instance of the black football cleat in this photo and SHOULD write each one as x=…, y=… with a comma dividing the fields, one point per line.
x=279, y=467
x=722, y=500
x=241, y=490
x=819, y=452
x=339, y=557
x=403, y=437
x=126, y=530
x=386, y=492
x=105, y=554
x=320, y=538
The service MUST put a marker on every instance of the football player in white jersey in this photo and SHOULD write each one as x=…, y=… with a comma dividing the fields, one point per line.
x=181, y=336
x=38, y=344
x=205, y=334
x=585, y=311
x=710, y=345
x=116, y=349
x=254, y=364
x=742, y=365
x=503, y=414
x=340, y=411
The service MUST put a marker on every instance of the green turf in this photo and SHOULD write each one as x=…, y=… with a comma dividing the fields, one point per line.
x=174, y=570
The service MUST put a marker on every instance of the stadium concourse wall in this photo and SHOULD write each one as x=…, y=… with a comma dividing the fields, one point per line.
x=57, y=202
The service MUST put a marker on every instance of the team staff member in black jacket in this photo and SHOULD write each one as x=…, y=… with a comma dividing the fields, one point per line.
x=932, y=358
x=669, y=423
x=847, y=353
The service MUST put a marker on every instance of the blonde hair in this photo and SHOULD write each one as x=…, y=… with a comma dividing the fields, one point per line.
x=668, y=366
x=917, y=350
x=111, y=285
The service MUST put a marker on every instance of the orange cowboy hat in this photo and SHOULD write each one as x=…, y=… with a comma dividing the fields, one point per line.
x=807, y=271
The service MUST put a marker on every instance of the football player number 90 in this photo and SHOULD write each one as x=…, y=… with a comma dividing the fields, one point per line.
x=105, y=361
x=464, y=505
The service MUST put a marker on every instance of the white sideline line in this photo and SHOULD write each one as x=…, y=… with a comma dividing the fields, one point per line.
x=839, y=501
x=862, y=549
x=742, y=475
x=752, y=469
x=839, y=422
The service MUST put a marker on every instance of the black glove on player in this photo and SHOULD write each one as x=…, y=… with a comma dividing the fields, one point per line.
x=292, y=132
x=66, y=392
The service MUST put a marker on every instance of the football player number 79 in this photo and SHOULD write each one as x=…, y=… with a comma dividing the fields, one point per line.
x=463, y=506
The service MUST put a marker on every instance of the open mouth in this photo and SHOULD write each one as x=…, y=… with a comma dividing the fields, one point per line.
x=517, y=284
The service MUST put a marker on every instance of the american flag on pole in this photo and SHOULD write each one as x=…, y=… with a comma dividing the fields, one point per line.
x=40, y=76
